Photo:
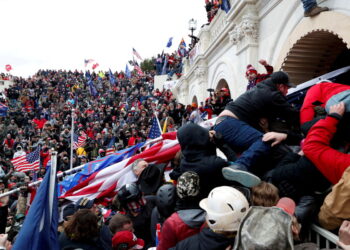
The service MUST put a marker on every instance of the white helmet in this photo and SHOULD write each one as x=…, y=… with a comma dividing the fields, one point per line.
x=225, y=207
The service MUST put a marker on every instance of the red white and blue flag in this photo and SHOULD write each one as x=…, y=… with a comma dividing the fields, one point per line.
x=136, y=54
x=138, y=70
x=105, y=183
x=87, y=61
x=27, y=162
x=79, y=141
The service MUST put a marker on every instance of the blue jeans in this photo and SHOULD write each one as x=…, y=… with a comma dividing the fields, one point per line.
x=308, y=4
x=242, y=137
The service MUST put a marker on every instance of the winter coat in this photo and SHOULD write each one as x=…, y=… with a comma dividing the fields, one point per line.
x=329, y=161
x=199, y=155
x=265, y=100
x=179, y=226
x=205, y=240
x=318, y=95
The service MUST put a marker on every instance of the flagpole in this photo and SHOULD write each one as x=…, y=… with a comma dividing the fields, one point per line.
x=72, y=140
x=53, y=169
x=70, y=171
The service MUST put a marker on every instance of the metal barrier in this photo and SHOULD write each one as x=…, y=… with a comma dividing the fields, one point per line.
x=323, y=238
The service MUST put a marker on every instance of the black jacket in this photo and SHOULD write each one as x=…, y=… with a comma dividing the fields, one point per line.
x=199, y=155
x=262, y=101
x=205, y=240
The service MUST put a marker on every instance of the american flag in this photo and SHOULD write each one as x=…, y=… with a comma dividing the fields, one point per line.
x=27, y=162
x=87, y=61
x=136, y=54
x=79, y=141
x=104, y=184
x=139, y=70
x=110, y=147
x=155, y=130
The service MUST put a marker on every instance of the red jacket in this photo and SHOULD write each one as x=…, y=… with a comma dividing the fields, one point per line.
x=174, y=230
x=329, y=161
x=321, y=92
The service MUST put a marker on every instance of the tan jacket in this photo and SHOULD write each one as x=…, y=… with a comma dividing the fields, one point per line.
x=336, y=206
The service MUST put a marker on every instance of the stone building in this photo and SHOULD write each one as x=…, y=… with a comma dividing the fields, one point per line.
x=275, y=30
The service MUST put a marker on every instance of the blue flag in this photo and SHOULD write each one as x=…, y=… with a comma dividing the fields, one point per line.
x=39, y=230
x=225, y=5
x=127, y=72
x=3, y=109
x=170, y=42
x=92, y=88
x=111, y=77
x=94, y=166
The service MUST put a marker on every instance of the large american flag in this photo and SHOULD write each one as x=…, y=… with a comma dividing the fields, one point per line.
x=79, y=141
x=105, y=183
x=27, y=162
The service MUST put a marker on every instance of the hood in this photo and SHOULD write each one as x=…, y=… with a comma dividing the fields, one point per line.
x=268, y=83
x=193, y=218
x=194, y=141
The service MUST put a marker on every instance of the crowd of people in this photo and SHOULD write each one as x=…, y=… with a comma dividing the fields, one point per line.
x=208, y=203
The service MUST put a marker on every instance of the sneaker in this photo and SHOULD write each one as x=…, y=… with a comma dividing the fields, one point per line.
x=315, y=11
x=233, y=173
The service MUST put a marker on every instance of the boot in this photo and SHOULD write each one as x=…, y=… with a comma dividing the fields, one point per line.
x=240, y=174
x=315, y=11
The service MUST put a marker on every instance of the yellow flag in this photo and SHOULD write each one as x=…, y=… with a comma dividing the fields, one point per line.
x=101, y=74
x=165, y=125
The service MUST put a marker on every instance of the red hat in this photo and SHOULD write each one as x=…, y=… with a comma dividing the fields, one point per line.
x=127, y=238
x=250, y=69
x=287, y=204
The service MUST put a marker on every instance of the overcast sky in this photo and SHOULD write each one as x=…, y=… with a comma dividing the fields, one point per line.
x=60, y=34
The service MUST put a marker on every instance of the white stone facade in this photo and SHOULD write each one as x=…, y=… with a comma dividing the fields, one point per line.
x=261, y=29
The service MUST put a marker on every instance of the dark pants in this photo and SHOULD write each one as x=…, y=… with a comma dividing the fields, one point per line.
x=242, y=137
x=308, y=4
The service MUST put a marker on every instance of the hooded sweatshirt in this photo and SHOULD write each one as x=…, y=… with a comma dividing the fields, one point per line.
x=199, y=155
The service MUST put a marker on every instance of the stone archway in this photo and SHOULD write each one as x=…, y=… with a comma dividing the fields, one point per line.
x=222, y=84
x=313, y=55
x=316, y=46
x=195, y=100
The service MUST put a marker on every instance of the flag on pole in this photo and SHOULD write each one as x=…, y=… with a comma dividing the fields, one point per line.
x=87, y=61
x=95, y=166
x=170, y=42
x=101, y=74
x=136, y=54
x=39, y=230
x=127, y=72
x=155, y=130
x=8, y=67
x=79, y=141
x=105, y=183
x=3, y=109
x=111, y=77
x=27, y=162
